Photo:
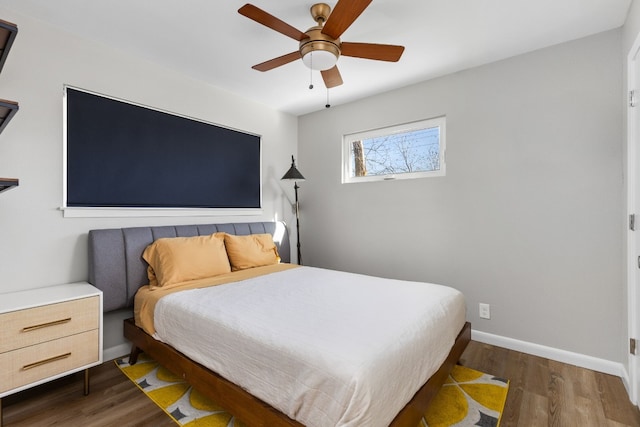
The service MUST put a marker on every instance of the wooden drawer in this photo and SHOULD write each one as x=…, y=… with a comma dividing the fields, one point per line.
x=30, y=364
x=31, y=326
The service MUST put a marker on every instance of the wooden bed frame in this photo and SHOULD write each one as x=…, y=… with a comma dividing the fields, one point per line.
x=116, y=267
x=255, y=412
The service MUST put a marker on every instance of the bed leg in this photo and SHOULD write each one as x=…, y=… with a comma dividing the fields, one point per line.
x=133, y=356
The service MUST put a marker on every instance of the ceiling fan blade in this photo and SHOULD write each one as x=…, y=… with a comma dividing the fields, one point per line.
x=268, y=20
x=331, y=77
x=343, y=15
x=276, y=62
x=379, y=52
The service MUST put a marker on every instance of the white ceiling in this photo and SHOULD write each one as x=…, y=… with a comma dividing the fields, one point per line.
x=209, y=41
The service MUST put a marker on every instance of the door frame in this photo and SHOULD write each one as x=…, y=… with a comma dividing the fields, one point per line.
x=633, y=207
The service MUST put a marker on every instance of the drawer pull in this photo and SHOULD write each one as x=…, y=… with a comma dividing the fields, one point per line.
x=45, y=361
x=45, y=325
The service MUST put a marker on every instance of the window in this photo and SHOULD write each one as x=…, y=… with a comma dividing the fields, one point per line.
x=410, y=150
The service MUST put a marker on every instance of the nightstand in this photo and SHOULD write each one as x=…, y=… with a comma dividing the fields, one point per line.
x=48, y=333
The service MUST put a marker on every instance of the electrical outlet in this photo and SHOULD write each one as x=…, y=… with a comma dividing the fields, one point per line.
x=485, y=311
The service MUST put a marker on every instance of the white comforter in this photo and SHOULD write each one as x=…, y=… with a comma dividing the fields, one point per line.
x=326, y=348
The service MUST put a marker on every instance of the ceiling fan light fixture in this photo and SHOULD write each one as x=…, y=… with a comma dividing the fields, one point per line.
x=320, y=46
x=320, y=55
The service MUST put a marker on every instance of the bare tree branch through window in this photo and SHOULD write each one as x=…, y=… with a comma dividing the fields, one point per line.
x=404, y=149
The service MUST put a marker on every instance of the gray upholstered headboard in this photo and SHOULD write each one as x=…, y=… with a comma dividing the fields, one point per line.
x=115, y=255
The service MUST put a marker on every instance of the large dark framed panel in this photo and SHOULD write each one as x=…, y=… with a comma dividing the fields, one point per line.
x=124, y=155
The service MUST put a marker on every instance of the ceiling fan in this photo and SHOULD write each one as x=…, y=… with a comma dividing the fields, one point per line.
x=320, y=46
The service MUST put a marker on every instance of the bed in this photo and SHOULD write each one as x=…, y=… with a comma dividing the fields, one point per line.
x=224, y=365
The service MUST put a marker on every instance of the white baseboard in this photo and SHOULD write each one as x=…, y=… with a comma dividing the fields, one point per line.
x=571, y=358
x=116, y=351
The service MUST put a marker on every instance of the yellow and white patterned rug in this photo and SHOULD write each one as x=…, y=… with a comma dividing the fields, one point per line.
x=468, y=398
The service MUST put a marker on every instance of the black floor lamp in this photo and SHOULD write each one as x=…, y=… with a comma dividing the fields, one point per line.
x=293, y=174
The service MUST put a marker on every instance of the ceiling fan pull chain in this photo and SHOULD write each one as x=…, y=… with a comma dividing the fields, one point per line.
x=311, y=72
x=327, y=105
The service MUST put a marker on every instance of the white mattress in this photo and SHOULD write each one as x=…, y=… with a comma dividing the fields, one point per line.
x=326, y=348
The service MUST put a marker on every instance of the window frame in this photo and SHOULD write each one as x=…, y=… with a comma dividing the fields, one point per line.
x=347, y=140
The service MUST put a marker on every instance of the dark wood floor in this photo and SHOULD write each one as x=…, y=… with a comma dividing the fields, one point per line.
x=542, y=393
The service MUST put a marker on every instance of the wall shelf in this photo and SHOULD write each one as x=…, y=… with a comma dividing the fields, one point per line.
x=8, y=32
x=8, y=183
x=8, y=109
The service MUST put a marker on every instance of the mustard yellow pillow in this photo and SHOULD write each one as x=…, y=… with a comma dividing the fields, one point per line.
x=151, y=275
x=253, y=250
x=178, y=259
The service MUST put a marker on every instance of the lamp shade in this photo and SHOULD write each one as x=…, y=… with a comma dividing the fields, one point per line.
x=320, y=59
x=293, y=174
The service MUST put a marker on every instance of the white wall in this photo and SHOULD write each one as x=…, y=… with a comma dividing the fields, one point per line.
x=631, y=27
x=529, y=215
x=39, y=247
